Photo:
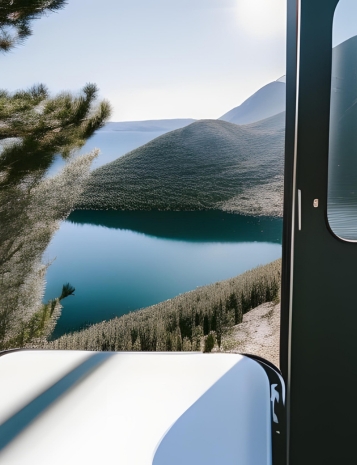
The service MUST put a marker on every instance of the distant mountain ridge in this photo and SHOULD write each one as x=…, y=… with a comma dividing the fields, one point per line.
x=210, y=164
x=149, y=125
x=266, y=102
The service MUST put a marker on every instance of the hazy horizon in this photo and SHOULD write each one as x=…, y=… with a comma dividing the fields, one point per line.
x=164, y=60
x=179, y=59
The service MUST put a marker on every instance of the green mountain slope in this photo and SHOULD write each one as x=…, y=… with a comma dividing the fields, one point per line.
x=209, y=164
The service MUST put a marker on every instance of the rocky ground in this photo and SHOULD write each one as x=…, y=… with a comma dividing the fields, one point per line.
x=258, y=334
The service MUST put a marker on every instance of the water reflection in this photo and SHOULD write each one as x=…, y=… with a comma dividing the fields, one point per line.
x=198, y=226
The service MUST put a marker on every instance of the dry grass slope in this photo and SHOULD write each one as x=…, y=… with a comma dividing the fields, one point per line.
x=258, y=334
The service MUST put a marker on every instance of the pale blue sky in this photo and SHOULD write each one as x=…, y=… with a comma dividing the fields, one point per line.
x=160, y=58
x=345, y=21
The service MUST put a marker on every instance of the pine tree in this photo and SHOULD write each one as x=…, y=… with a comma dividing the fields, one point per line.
x=34, y=128
x=209, y=343
x=219, y=329
x=233, y=304
x=206, y=325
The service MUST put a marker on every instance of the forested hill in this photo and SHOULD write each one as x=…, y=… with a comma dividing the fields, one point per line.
x=210, y=164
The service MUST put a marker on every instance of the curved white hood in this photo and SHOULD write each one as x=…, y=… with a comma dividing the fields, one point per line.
x=67, y=407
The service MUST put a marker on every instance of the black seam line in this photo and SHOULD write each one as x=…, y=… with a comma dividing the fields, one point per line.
x=11, y=351
x=22, y=419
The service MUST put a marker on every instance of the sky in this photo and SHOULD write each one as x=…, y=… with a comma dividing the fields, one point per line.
x=344, y=24
x=155, y=59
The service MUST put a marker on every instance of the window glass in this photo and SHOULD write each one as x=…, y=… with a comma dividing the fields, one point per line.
x=342, y=190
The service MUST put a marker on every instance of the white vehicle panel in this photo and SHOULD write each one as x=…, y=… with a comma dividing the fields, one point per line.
x=133, y=408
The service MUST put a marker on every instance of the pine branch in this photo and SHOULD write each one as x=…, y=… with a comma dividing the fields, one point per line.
x=16, y=17
x=43, y=127
x=67, y=290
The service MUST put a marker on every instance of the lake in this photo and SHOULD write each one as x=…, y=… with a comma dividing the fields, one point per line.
x=122, y=261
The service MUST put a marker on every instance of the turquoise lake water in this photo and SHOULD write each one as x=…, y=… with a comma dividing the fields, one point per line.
x=123, y=261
